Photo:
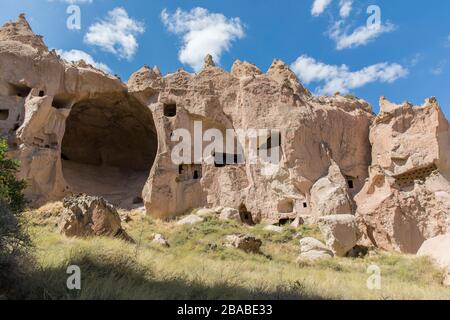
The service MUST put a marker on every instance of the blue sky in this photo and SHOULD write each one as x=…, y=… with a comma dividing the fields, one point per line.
x=407, y=57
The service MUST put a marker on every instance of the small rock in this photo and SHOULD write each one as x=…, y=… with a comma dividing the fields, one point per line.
x=205, y=212
x=298, y=222
x=230, y=214
x=313, y=249
x=298, y=235
x=272, y=228
x=243, y=242
x=159, y=239
x=218, y=210
x=85, y=216
x=190, y=220
x=341, y=233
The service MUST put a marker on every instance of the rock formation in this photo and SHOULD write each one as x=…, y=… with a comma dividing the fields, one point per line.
x=438, y=250
x=313, y=249
x=85, y=216
x=76, y=129
x=406, y=199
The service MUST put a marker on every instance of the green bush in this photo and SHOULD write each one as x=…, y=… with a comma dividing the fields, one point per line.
x=10, y=187
x=13, y=240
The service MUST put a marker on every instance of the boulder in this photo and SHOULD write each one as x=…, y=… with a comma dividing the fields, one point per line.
x=313, y=249
x=330, y=195
x=341, y=233
x=274, y=229
x=438, y=249
x=230, y=214
x=243, y=242
x=190, y=220
x=205, y=212
x=160, y=240
x=85, y=216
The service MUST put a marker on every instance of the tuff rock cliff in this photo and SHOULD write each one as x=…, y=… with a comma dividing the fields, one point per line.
x=76, y=129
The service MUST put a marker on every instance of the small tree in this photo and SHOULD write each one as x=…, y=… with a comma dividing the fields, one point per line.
x=10, y=187
x=13, y=240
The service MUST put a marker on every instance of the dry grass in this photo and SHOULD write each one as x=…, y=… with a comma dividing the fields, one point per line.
x=194, y=268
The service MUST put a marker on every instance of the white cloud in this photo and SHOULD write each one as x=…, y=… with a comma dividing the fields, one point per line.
x=360, y=36
x=116, y=34
x=319, y=6
x=439, y=69
x=336, y=78
x=202, y=33
x=346, y=8
x=77, y=55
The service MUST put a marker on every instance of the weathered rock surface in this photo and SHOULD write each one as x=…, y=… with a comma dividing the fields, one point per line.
x=190, y=220
x=438, y=249
x=274, y=229
x=406, y=199
x=330, y=195
x=313, y=249
x=340, y=232
x=76, y=129
x=160, y=240
x=243, y=242
x=229, y=214
x=85, y=216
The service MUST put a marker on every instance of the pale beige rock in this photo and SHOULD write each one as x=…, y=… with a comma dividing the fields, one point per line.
x=85, y=216
x=406, y=199
x=243, y=242
x=340, y=232
x=205, y=212
x=313, y=249
x=160, y=240
x=438, y=249
x=242, y=69
x=229, y=214
x=274, y=229
x=190, y=220
x=329, y=195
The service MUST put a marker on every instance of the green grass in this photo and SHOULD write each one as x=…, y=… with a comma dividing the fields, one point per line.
x=197, y=266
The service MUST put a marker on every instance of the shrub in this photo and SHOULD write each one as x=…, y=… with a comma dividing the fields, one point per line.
x=13, y=240
x=10, y=187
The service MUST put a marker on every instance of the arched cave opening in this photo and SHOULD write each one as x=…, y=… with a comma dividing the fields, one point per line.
x=109, y=148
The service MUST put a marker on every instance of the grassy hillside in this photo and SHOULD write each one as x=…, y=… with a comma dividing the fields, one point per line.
x=196, y=266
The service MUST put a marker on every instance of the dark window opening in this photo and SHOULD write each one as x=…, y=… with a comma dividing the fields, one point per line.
x=41, y=93
x=138, y=200
x=305, y=205
x=350, y=184
x=4, y=115
x=245, y=215
x=19, y=90
x=63, y=101
x=170, y=110
x=270, y=144
x=223, y=159
x=189, y=172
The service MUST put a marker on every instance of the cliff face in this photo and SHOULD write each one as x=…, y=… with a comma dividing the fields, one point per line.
x=76, y=129
x=406, y=199
x=315, y=133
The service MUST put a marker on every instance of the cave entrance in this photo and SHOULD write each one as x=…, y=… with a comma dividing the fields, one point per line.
x=109, y=148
